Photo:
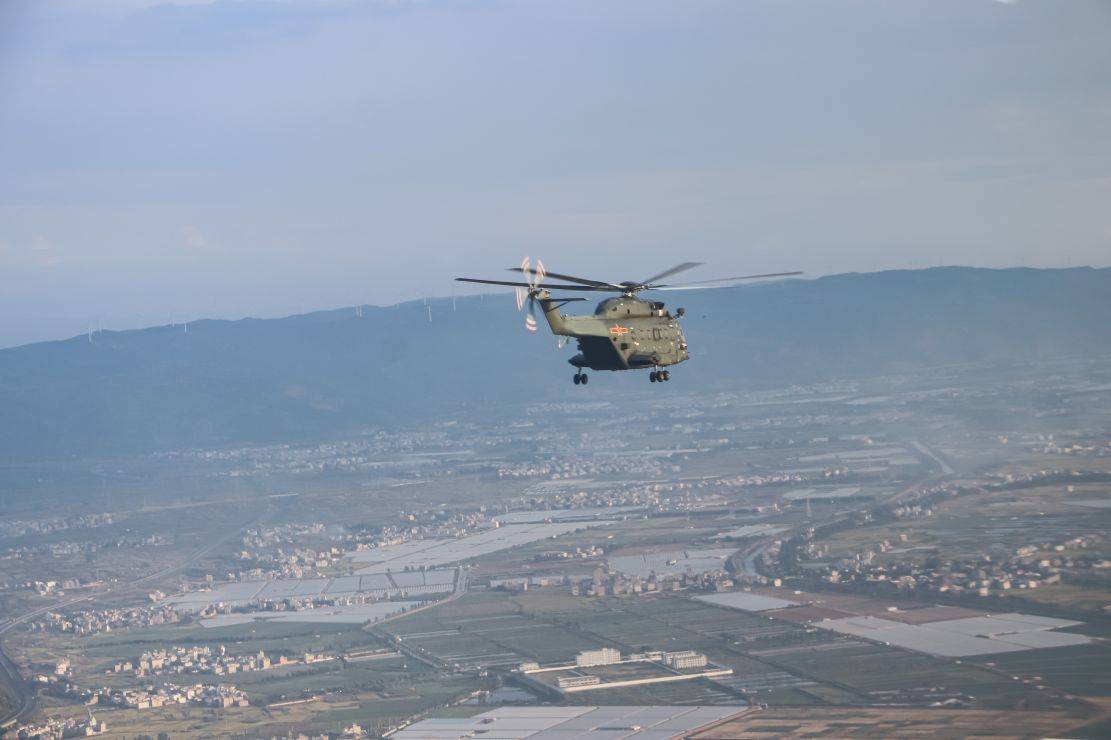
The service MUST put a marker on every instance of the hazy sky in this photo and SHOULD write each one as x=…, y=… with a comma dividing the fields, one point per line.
x=264, y=157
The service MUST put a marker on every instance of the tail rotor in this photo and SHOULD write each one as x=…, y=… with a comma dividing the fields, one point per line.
x=534, y=278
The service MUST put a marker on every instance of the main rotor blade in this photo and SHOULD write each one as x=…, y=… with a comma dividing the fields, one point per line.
x=573, y=279
x=530, y=285
x=726, y=280
x=668, y=273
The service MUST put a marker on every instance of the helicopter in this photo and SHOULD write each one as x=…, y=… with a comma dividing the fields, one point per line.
x=626, y=332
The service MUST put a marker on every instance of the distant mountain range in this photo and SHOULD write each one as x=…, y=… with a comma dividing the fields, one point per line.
x=330, y=373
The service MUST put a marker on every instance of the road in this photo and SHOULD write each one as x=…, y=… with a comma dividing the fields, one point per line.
x=460, y=589
x=752, y=553
x=945, y=469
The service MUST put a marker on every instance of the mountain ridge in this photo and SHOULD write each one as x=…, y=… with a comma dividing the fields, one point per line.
x=332, y=372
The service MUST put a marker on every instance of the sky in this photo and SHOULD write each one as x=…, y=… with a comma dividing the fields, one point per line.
x=177, y=160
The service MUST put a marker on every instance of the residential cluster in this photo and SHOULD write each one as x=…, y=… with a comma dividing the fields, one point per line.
x=582, y=466
x=44, y=588
x=1094, y=448
x=149, y=697
x=359, y=454
x=55, y=728
x=91, y=622
x=67, y=548
x=280, y=552
x=288, y=604
x=1030, y=566
x=603, y=583
x=619, y=494
x=22, y=528
x=196, y=659
x=577, y=553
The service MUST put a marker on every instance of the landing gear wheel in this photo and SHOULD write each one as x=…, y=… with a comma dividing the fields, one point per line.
x=653, y=377
x=584, y=379
x=578, y=378
x=665, y=375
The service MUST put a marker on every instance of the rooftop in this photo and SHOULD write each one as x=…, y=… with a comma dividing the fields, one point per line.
x=548, y=723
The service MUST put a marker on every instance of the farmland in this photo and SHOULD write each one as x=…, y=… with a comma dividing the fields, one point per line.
x=824, y=554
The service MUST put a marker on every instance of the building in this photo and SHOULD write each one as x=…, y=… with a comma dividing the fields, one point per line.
x=686, y=659
x=570, y=682
x=602, y=656
x=583, y=722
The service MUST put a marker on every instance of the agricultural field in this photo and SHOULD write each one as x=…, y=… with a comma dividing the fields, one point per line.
x=331, y=711
x=1081, y=670
x=742, y=525
x=635, y=530
x=486, y=629
x=994, y=521
x=889, y=675
x=889, y=722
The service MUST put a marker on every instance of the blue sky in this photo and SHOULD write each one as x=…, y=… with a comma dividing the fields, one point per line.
x=265, y=157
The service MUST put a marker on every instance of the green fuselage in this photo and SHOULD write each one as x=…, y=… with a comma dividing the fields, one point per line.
x=625, y=333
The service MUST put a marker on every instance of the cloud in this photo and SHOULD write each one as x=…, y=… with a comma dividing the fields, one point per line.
x=128, y=6
x=132, y=4
x=194, y=239
x=36, y=251
x=40, y=243
x=43, y=253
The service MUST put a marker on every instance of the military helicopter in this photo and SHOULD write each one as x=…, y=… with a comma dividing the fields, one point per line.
x=626, y=332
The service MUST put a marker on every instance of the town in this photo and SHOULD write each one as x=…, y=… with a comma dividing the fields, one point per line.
x=735, y=568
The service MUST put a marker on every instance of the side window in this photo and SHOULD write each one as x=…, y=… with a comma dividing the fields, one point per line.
x=656, y=333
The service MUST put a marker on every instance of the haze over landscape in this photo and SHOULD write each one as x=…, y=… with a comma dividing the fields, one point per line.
x=322, y=374
x=185, y=160
x=268, y=470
